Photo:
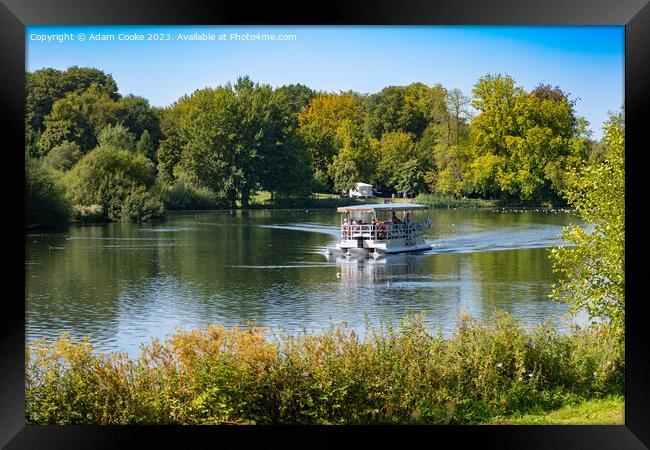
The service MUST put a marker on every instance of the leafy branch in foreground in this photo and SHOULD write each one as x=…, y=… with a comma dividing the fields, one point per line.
x=592, y=271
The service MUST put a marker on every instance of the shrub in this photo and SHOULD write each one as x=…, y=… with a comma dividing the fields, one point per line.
x=184, y=195
x=141, y=206
x=398, y=374
x=108, y=177
x=88, y=214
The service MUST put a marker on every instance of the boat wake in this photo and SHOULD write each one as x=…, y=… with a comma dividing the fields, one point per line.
x=307, y=227
x=541, y=236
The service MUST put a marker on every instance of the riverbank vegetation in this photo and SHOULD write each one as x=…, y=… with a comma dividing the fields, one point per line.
x=402, y=374
x=218, y=147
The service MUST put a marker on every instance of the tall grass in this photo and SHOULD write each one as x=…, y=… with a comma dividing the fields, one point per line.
x=402, y=374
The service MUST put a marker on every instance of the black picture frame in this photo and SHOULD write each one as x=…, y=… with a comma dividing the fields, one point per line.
x=15, y=14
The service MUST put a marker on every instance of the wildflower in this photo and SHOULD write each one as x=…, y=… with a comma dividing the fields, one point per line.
x=499, y=364
x=520, y=378
x=530, y=375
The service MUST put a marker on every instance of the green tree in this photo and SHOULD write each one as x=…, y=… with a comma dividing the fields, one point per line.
x=136, y=114
x=457, y=108
x=78, y=117
x=169, y=156
x=145, y=146
x=285, y=166
x=298, y=97
x=409, y=109
x=45, y=86
x=523, y=142
x=230, y=131
x=320, y=122
x=355, y=161
x=118, y=137
x=107, y=177
x=45, y=201
x=344, y=173
x=402, y=162
x=592, y=270
x=394, y=149
x=63, y=156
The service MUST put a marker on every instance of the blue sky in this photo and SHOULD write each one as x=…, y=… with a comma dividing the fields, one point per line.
x=585, y=61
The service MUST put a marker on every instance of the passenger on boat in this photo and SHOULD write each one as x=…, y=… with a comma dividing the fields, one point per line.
x=407, y=218
x=381, y=230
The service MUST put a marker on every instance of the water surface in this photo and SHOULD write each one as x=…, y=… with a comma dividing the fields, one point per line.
x=122, y=284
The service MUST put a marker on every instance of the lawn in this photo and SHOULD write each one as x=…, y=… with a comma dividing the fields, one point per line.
x=606, y=411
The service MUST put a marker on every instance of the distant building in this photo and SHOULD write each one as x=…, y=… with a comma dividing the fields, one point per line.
x=361, y=190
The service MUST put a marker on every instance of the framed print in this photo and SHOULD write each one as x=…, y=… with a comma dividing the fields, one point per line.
x=267, y=221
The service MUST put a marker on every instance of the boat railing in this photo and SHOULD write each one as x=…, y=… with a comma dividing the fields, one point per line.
x=382, y=231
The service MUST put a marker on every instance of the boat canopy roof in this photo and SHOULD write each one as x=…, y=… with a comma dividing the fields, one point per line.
x=381, y=207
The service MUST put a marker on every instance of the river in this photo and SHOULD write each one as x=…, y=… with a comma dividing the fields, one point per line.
x=122, y=284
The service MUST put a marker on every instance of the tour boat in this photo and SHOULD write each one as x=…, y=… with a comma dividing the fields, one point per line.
x=379, y=229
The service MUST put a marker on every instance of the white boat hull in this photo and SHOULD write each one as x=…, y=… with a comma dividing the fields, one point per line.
x=402, y=249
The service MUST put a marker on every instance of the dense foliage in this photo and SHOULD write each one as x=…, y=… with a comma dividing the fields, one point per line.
x=225, y=144
x=117, y=181
x=392, y=375
x=45, y=202
x=592, y=270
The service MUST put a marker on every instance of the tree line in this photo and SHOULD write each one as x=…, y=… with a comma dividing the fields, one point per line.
x=98, y=155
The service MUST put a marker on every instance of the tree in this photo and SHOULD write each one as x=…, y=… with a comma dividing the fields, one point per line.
x=409, y=109
x=532, y=137
x=402, y=162
x=394, y=149
x=298, y=97
x=63, y=156
x=344, y=173
x=355, y=160
x=320, y=122
x=410, y=179
x=285, y=166
x=144, y=146
x=230, y=131
x=136, y=114
x=79, y=117
x=108, y=176
x=118, y=137
x=169, y=156
x=45, y=86
x=456, y=105
x=592, y=271
x=45, y=201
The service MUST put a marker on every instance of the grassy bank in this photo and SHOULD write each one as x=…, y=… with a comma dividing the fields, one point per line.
x=398, y=374
x=605, y=411
x=439, y=201
x=263, y=200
